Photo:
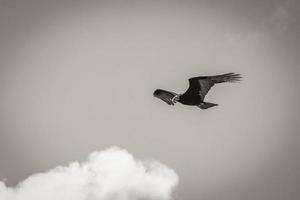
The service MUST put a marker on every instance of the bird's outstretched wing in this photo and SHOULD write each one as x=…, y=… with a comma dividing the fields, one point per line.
x=166, y=96
x=202, y=84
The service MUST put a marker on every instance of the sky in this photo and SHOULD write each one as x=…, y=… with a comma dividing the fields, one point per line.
x=78, y=77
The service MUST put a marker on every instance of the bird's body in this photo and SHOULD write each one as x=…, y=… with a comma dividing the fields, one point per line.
x=189, y=99
x=198, y=88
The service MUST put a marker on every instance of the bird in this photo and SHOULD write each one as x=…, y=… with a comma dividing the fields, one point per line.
x=198, y=88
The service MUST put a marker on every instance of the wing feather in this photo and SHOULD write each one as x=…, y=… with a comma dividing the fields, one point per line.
x=202, y=84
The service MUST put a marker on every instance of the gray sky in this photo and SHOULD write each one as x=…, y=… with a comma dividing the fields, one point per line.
x=78, y=76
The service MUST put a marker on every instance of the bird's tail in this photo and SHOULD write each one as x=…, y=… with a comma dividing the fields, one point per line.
x=206, y=105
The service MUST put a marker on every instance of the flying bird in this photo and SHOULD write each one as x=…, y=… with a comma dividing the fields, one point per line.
x=198, y=88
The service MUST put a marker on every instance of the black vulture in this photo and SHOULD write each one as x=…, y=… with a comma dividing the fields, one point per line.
x=198, y=88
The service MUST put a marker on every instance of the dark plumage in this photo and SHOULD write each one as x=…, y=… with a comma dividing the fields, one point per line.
x=198, y=88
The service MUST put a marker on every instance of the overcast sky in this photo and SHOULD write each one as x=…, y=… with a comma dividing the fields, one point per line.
x=78, y=76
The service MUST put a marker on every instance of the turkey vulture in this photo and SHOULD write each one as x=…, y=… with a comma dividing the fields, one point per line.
x=198, y=88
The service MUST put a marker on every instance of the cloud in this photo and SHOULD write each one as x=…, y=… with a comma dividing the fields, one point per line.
x=280, y=19
x=112, y=174
x=275, y=23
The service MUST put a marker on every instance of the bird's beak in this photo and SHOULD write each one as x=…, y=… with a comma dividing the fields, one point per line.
x=175, y=99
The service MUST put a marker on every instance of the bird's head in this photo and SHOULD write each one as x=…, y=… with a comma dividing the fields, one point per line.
x=169, y=97
x=158, y=92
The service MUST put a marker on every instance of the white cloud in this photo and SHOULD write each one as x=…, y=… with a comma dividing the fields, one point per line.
x=112, y=174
